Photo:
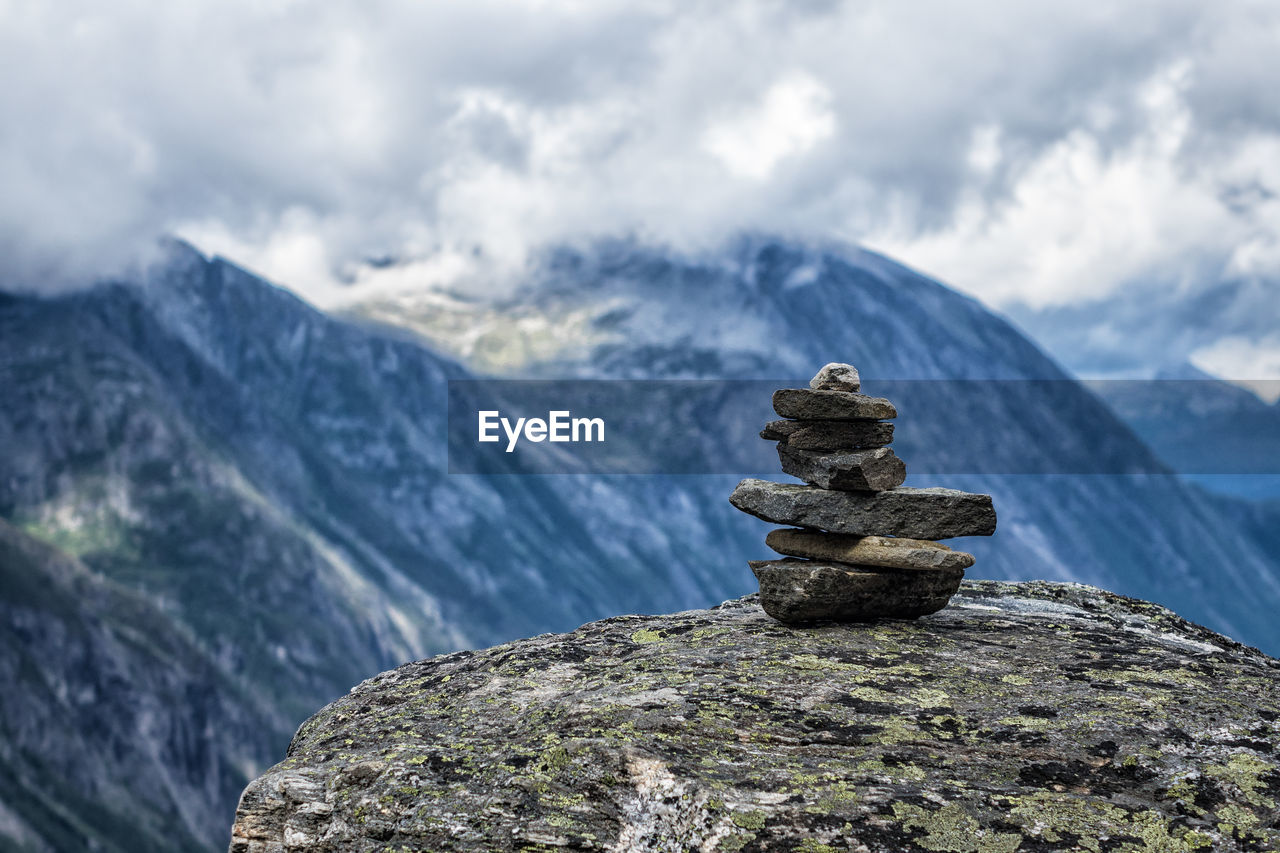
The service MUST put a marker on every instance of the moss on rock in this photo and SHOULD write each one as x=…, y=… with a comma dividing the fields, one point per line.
x=1024, y=717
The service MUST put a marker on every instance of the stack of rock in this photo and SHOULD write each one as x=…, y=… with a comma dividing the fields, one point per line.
x=864, y=548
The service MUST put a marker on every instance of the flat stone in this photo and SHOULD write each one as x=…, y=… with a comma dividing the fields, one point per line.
x=880, y=551
x=805, y=591
x=805, y=404
x=915, y=513
x=861, y=470
x=829, y=435
x=836, y=377
x=782, y=430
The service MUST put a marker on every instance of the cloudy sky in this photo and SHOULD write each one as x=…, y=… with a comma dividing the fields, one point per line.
x=1039, y=155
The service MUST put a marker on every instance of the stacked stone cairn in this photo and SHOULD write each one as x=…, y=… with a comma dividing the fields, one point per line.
x=864, y=548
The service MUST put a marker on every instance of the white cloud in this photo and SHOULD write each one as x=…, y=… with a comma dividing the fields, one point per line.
x=1252, y=363
x=1081, y=219
x=1028, y=152
x=794, y=115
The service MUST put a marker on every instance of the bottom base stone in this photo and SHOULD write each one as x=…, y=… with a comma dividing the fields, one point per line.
x=801, y=591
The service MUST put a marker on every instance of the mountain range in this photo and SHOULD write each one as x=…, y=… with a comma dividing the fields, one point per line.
x=222, y=507
x=1155, y=326
x=1214, y=433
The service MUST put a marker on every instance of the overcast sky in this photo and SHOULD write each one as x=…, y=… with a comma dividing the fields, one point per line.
x=1044, y=153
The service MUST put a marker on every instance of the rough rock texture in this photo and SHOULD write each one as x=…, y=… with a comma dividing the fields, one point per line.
x=836, y=377
x=829, y=435
x=802, y=591
x=804, y=404
x=1028, y=717
x=867, y=550
x=915, y=513
x=118, y=734
x=858, y=470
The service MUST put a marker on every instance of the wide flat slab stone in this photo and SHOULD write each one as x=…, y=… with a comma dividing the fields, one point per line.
x=861, y=470
x=799, y=591
x=829, y=435
x=914, y=513
x=883, y=551
x=806, y=404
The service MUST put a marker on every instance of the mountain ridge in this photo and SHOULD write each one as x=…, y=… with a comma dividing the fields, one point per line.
x=273, y=480
x=102, y=671
x=626, y=311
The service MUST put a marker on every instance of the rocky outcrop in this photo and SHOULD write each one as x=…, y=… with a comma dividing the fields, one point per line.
x=1023, y=717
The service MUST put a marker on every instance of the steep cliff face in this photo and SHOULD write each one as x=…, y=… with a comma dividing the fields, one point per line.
x=117, y=731
x=1030, y=716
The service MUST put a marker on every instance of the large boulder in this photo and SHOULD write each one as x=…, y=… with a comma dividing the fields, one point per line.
x=1025, y=717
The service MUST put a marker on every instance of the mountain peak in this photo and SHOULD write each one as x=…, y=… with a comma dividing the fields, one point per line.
x=759, y=306
x=1182, y=370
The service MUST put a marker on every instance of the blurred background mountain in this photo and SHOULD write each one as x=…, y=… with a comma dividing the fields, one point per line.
x=221, y=507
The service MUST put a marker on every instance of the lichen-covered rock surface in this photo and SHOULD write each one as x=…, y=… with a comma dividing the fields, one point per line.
x=1022, y=717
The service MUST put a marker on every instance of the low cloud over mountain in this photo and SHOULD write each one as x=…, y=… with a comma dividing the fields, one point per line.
x=1030, y=154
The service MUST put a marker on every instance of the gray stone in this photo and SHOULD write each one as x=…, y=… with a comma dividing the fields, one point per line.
x=861, y=470
x=829, y=435
x=801, y=591
x=782, y=430
x=804, y=404
x=1022, y=716
x=882, y=551
x=836, y=377
x=915, y=513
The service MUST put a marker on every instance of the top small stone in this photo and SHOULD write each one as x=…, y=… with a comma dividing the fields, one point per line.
x=837, y=377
